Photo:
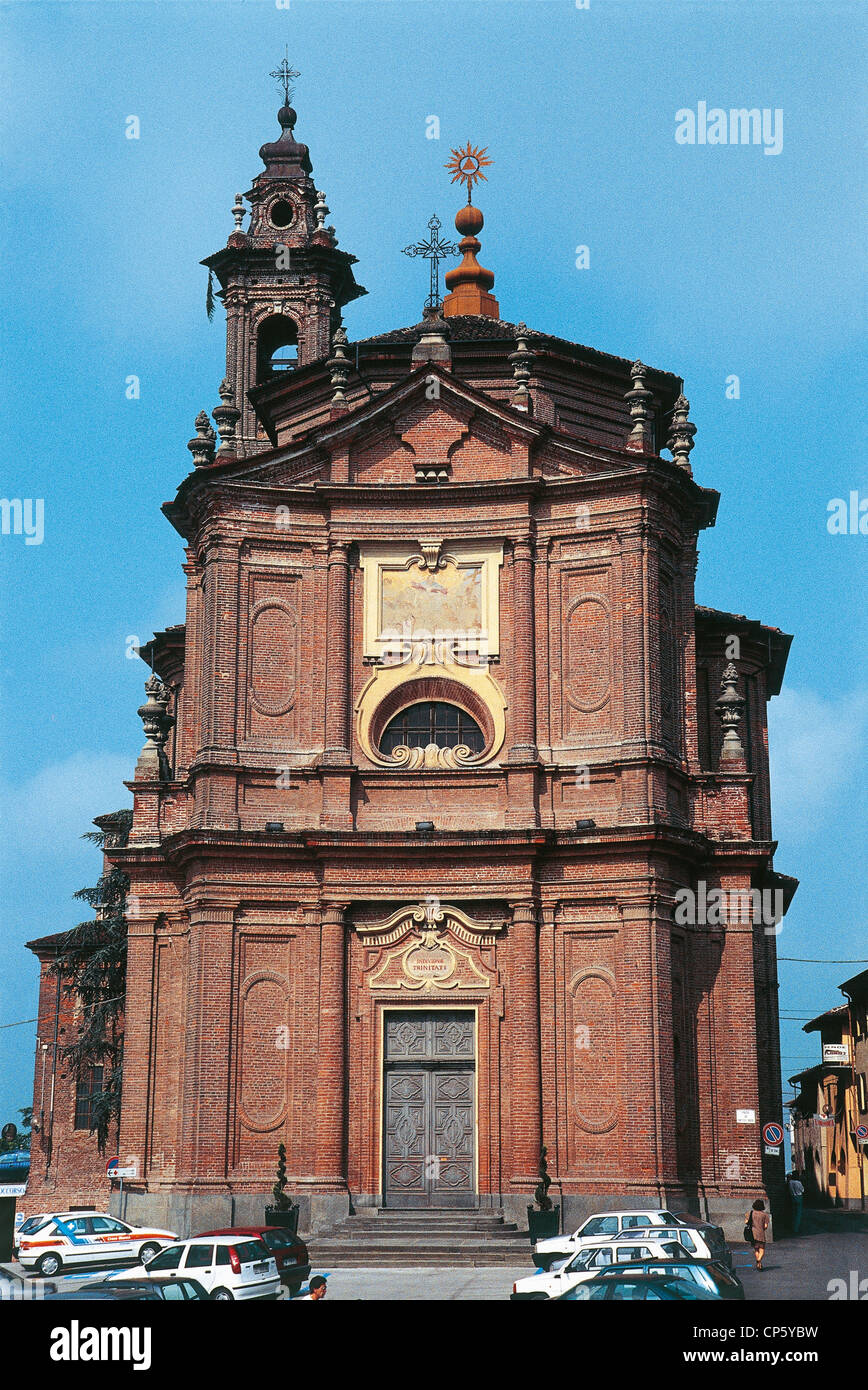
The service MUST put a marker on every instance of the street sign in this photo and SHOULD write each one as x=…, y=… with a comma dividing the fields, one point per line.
x=836, y=1052
x=773, y=1149
x=114, y=1169
x=745, y=1117
x=862, y=1133
x=12, y=1189
x=773, y=1133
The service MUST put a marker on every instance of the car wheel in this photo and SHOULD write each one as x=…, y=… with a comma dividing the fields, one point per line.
x=223, y=1296
x=48, y=1265
x=148, y=1252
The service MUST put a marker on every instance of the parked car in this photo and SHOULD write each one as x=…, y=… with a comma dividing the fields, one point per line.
x=104, y=1293
x=588, y=1261
x=602, y=1223
x=711, y=1234
x=69, y=1239
x=140, y=1290
x=290, y=1253
x=228, y=1267
x=640, y=1287
x=549, y=1253
x=706, y=1273
x=700, y=1241
x=26, y=1226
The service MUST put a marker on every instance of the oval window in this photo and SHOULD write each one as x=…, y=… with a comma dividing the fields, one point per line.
x=432, y=721
x=281, y=213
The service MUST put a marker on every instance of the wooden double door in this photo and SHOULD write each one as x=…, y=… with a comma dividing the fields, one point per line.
x=430, y=1109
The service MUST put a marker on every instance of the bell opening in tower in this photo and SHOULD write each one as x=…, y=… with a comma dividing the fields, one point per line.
x=276, y=347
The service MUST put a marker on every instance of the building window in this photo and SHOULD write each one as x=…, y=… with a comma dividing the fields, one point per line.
x=86, y=1093
x=281, y=213
x=432, y=721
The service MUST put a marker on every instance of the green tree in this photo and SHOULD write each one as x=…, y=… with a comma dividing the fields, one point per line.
x=21, y=1142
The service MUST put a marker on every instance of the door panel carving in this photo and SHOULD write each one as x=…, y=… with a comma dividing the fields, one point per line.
x=429, y=1147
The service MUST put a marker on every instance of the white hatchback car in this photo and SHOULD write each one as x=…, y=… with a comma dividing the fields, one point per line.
x=587, y=1261
x=227, y=1267
x=70, y=1238
x=603, y=1223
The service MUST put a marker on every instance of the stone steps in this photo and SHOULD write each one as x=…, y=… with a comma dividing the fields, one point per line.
x=401, y=1239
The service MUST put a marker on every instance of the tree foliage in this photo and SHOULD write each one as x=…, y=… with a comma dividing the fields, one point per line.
x=21, y=1142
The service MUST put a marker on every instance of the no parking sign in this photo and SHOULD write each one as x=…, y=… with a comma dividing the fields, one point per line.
x=773, y=1136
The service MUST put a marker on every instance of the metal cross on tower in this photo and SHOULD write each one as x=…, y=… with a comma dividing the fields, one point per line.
x=433, y=250
x=284, y=76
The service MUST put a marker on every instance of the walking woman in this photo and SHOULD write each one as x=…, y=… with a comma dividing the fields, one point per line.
x=758, y=1221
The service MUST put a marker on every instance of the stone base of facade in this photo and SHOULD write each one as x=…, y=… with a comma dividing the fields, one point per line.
x=191, y=1212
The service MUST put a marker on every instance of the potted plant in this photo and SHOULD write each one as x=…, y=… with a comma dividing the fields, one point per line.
x=285, y=1211
x=544, y=1219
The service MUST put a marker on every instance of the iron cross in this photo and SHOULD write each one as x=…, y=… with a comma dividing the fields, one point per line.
x=433, y=250
x=284, y=76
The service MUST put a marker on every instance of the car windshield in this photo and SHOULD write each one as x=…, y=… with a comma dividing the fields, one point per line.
x=277, y=1240
x=33, y=1223
x=599, y=1226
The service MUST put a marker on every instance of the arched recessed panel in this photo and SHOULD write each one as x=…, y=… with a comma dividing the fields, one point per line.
x=593, y=1050
x=588, y=654
x=273, y=658
x=262, y=1063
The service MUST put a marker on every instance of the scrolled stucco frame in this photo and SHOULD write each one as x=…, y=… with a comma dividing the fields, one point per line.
x=457, y=672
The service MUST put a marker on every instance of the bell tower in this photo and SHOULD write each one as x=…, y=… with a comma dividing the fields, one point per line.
x=283, y=280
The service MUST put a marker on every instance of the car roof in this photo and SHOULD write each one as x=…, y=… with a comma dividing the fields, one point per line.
x=70, y=1215
x=95, y=1292
x=238, y=1231
x=635, y=1211
x=639, y=1265
x=659, y=1232
x=215, y=1235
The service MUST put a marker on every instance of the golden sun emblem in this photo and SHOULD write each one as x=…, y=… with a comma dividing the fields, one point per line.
x=466, y=165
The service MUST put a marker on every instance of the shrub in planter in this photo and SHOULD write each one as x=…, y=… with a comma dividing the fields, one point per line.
x=285, y=1211
x=544, y=1219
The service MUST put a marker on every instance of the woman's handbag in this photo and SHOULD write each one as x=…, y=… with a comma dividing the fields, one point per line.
x=748, y=1230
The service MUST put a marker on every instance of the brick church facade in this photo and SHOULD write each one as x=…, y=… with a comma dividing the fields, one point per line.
x=441, y=741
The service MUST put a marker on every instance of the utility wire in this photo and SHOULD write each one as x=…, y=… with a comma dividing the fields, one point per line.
x=812, y=960
x=85, y=1008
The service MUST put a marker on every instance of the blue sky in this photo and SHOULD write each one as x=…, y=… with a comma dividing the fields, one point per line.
x=704, y=260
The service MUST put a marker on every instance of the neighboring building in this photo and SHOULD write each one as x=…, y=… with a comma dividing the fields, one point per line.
x=832, y=1104
x=66, y=1168
x=444, y=750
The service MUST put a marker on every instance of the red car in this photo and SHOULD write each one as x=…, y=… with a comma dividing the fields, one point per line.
x=290, y=1253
